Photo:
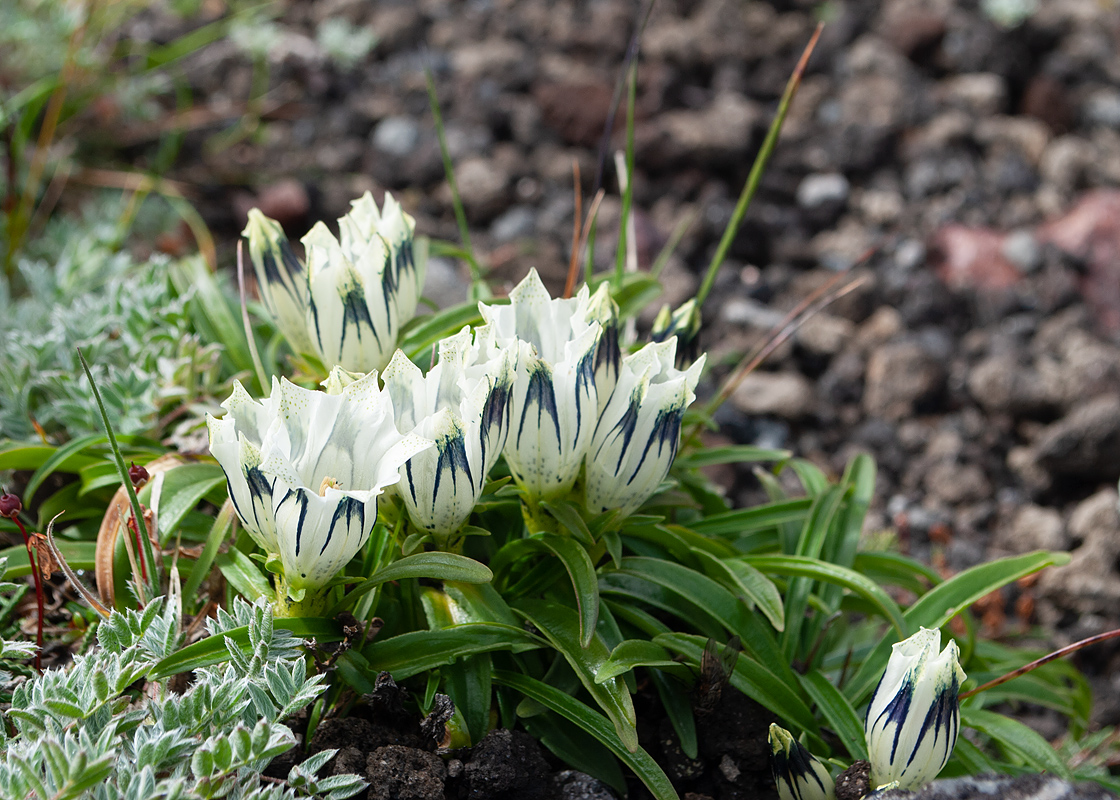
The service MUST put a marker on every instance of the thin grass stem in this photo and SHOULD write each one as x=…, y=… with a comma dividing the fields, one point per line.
x=757, y=168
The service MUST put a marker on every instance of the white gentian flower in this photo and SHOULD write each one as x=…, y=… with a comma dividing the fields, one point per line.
x=639, y=431
x=798, y=774
x=304, y=470
x=914, y=716
x=462, y=404
x=556, y=398
x=347, y=304
x=281, y=278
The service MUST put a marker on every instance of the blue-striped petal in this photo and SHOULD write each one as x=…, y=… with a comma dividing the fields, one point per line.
x=913, y=719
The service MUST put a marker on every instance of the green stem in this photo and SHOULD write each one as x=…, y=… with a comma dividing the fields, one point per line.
x=133, y=500
x=449, y=170
x=628, y=189
x=759, y=166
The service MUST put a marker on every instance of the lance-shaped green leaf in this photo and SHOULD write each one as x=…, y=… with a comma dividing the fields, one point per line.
x=560, y=625
x=637, y=759
x=437, y=566
x=419, y=651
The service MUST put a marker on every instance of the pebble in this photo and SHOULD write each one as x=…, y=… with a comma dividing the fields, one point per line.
x=396, y=136
x=788, y=395
x=516, y=223
x=822, y=189
x=1021, y=248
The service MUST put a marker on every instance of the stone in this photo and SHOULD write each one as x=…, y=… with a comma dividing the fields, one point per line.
x=955, y=483
x=1084, y=444
x=1002, y=787
x=1090, y=583
x=482, y=187
x=1032, y=528
x=286, y=201
x=516, y=223
x=1102, y=107
x=1021, y=248
x=1000, y=383
x=822, y=189
x=444, y=283
x=982, y=93
x=396, y=136
x=902, y=379
x=396, y=772
x=572, y=785
x=781, y=394
x=825, y=334
x=719, y=131
x=972, y=258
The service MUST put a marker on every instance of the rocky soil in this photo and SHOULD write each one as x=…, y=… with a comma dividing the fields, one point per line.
x=968, y=169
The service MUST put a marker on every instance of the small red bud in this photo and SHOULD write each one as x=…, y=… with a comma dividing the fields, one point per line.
x=138, y=475
x=9, y=505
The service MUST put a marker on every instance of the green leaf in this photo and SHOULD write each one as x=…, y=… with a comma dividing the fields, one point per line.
x=943, y=602
x=1016, y=738
x=436, y=566
x=741, y=577
x=735, y=523
x=560, y=625
x=212, y=650
x=733, y=454
x=639, y=653
x=598, y=726
x=838, y=712
x=802, y=566
x=419, y=651
x=429, y=331
x=895, y=569
x=243, y=575
x=57, y=459
x=79, y=555
x=223, y=523
x=468, y=685
x=584, y=581
x=35, y=456
x=678, y=707
x=183, y=487
x=567, y=514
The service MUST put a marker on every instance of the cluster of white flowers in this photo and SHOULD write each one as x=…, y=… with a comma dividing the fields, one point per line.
x=542, y=382
x=911, y=726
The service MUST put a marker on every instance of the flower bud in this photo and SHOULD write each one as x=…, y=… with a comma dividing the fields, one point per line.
x=914, y=716
x=281, y=278
x=639, y=431
x=797, y=773
x=684, y=323
x=10, y=505
x=138, y=475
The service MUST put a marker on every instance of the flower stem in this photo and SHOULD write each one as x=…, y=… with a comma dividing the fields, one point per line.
x=40, y=598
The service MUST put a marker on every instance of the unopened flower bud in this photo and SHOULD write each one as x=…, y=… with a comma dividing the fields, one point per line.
x=914, y=716
x=9, y=505
x=138, y=475
x=798, y=774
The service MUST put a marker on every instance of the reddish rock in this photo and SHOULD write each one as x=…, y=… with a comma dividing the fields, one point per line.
x=972, y=258
x=285, y=201
x=1090, y=231
x=1045, y=98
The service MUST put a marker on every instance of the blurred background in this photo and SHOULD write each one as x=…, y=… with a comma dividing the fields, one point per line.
x=962, y=157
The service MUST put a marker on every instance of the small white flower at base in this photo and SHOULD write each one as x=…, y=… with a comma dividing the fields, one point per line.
x=304, y=470
x=347, y=304
x=914, y=716
x=462, y=404
x=639, y=431
x=556, y=399
x=798, y=774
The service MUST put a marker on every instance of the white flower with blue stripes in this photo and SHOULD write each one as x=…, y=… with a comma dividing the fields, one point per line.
x=914, y=716
x=639, y=431
x=304, y=470
x=463, y=405
x=798, y=774
x=346, y=305
x=562, y=348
